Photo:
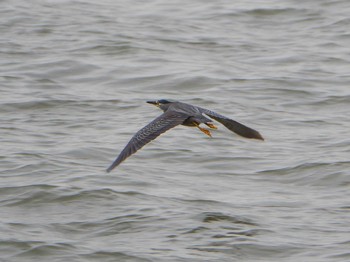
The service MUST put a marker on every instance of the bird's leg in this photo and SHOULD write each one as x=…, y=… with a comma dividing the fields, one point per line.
x=205, y=131
x=211, y=125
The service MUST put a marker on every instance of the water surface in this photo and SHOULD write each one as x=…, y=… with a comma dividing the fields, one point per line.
x=75, y=76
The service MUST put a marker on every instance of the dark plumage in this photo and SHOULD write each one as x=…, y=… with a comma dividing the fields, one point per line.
x=177, y=113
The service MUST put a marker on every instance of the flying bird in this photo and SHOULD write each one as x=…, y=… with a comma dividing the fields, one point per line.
x=178, y=113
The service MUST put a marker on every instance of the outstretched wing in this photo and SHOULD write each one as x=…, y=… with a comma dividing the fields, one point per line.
x=150, y=132
x=233, y=125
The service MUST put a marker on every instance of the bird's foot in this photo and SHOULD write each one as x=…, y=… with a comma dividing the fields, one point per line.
x=211, y=125
x=205, y=131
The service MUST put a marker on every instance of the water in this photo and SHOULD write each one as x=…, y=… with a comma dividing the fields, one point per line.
x=75, y=76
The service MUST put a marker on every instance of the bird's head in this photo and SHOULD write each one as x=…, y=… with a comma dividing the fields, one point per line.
x=162, y=103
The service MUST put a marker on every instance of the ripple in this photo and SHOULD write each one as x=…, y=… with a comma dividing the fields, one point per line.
x=318, y=174
x=113, y=256
x=211, y=217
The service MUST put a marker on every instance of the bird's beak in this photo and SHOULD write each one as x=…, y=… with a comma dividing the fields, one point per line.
x=153, y=103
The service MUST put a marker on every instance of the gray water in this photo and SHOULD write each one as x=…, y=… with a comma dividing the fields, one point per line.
x=74, y=79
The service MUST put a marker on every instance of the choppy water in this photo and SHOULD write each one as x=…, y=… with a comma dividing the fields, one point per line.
x=74, y=79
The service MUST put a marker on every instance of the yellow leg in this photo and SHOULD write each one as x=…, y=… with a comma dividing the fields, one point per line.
x=211, y=125
x=205, y=131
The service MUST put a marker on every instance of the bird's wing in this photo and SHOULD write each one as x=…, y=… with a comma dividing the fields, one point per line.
x=233, y=125
x=150, y=132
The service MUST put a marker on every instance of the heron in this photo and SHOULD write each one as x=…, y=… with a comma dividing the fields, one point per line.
x=178, y=113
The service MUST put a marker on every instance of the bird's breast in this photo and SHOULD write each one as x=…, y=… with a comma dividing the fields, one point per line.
x=190, y=122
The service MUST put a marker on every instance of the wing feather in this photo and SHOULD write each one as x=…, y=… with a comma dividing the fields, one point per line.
x=148, y=133
x=233, y=125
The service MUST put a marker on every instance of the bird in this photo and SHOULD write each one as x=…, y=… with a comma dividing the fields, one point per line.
x=178, y=113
